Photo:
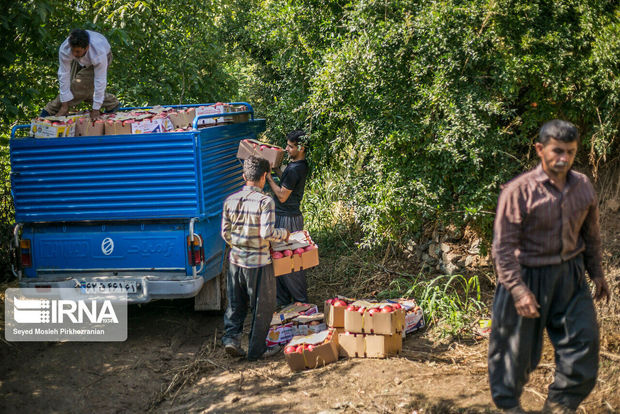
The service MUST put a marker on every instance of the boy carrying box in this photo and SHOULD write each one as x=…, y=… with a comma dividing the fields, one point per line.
x=248, y=226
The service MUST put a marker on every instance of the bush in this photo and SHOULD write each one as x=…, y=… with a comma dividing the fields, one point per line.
x=424, y=108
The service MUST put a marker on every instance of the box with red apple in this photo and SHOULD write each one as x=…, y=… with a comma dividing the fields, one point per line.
x=360, y=345
x=299, y=253
x=385, y=318
x=334, y=311
x=312, y=351
x=54, y=126
x=414, y=317
x=271, y=153
x=283, y=327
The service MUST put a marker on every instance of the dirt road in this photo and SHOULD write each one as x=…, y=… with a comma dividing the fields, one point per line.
x=169, y=364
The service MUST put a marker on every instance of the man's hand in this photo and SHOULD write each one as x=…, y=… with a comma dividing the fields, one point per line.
x=527, y=306
x=95, y=114
x=602, y=289
x=64, y=109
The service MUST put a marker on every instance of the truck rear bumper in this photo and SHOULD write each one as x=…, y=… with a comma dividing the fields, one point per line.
x=150, y=288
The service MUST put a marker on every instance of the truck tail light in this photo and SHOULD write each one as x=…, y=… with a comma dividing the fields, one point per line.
x=195, y=251
x=25, y=253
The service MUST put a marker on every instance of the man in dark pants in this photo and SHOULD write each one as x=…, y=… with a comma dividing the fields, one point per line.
x=546, y=235
x=248, y=221
x=292, y=287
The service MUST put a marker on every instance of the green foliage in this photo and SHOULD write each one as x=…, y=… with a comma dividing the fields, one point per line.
x=424, y=108
x=451, y=303
x=164, y=52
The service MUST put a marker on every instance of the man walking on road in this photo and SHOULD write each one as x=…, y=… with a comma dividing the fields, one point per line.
x=292, y=287
x=84, y=58
x=546, y=236
x=247, y=227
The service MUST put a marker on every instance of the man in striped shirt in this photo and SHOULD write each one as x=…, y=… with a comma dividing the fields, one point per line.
x=546, y=235
x=248, y=226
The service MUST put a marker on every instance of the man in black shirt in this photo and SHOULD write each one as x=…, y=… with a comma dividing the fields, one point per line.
x=288, y=195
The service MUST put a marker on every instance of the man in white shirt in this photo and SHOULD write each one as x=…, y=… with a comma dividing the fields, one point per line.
x=84, y=58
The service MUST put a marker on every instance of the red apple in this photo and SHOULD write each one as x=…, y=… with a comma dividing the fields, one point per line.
x=362, y=310
x=287, y=253
x=262, y=147
x=373, y=311
x=300, y=349
x=340, y=303
x=329, y=301
x=311, y=247
x=396, y=306
x=290, y=349
x=352, y=308
x=386, y=309
x=310, y=348
x=299, y=251
x=277, y=255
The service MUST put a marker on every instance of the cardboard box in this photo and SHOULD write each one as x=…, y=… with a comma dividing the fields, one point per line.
x=325, y=350
x=52, y=129
x=296, y=262
x=180, y=119
x=282, y=327
x=334, y=315
x=357, y=345
x=152, y=126
x=308, y=324
x=218, y=108
x=414, y=316
x=85, y=127
x=383, y=323
x=271, y=153
x=280, y=334
x=242, y=117
x=118, y=126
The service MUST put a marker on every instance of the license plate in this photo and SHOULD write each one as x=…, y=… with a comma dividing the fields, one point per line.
x=112, y=286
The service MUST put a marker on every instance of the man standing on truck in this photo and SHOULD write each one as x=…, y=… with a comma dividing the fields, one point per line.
x=248, y=222
x=546, y=235
x=293, y=286
x=84, y=58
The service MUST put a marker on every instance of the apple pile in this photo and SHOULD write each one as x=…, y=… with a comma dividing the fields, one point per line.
x=261, y=146
x=337, y=303
x=289, y=253
x=384, y=308
x=301, y=348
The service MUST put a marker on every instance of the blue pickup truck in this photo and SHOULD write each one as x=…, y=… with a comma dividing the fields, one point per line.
x=136, y=213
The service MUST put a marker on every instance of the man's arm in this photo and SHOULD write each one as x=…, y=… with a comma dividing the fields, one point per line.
x=590, y=232
x=64, y=77
x=281, y=192
x=226, y=226
x=267, y=230
x=101, y=81
x=507, y=231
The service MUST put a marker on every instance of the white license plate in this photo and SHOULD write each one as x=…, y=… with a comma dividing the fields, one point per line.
x=112, y=286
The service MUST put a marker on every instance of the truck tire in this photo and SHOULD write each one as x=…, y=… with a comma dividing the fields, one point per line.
x=212, y=296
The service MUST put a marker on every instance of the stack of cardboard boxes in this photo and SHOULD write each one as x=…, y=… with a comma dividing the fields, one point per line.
x=154, y=120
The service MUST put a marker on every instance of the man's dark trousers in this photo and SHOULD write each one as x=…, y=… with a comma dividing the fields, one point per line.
x=292, y=287
x=256, y=288
x=567, y=313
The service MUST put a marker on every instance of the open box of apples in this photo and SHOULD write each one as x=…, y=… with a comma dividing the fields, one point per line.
x=384, y=318
x=299, y=253
x=414, y=317
x=312, y=351
x=271, y=153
